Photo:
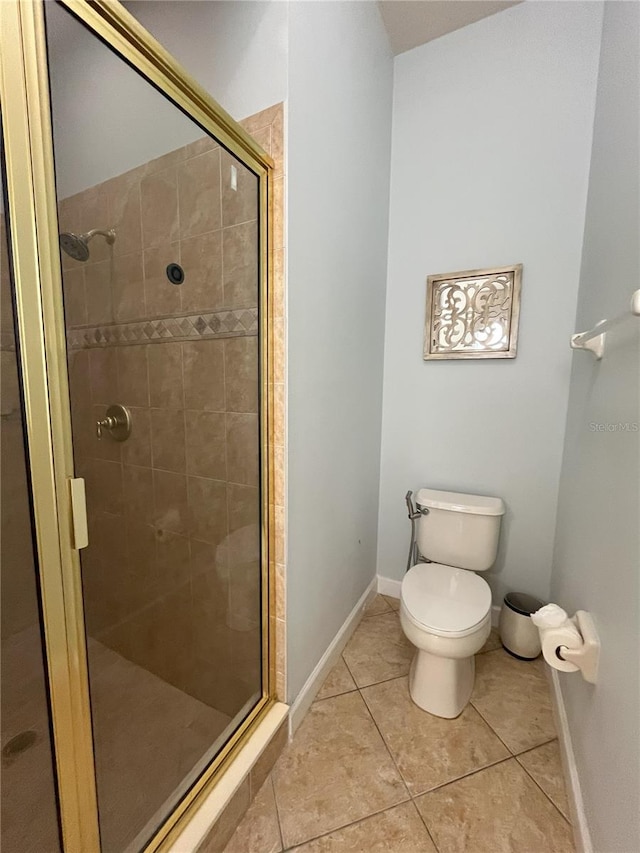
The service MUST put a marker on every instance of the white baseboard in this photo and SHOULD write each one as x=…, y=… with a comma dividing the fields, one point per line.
x=581, y=835
x=328, y=660
x=495, y=615
x=386, y=586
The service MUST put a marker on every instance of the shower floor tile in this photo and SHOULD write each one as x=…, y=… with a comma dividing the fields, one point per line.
x=148, y=736
x=29, y=820
x=492, y=777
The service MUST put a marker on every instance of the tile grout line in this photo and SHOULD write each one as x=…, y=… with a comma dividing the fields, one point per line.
x=223, y=348
x=535, y=781
x=384, y=681
x=409, y=800
x=275, y=802
x=275, y=799
x=222, y=267
x=540, y=788
x=491, y=729
x=510, y=754
x=335, y=695
x=537, y=746
x=186, y=443
x=506, y=745
x=181, y=296
x=344, y=661
x=347, y=825
x=451, y=781
x=523, y=752
x=412, y=798
x=366, y=615
x=360, y=688
x=424, y=822
x=460, y=778
x=386, y=745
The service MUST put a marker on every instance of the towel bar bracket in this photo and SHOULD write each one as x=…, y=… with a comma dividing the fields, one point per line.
x=595, y=345
x=594, y=339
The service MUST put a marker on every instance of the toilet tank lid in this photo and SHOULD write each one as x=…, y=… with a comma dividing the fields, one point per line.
x=458, y=502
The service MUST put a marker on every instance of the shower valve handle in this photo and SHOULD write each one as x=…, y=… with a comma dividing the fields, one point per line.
x=106, y=423
x=117, y=422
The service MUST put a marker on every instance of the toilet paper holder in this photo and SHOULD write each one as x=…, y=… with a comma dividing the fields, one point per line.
x=587, y=657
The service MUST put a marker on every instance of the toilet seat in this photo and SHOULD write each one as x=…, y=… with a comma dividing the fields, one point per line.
x=444, y=600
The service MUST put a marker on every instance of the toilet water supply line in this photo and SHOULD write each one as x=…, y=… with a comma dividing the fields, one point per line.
x=414, y=514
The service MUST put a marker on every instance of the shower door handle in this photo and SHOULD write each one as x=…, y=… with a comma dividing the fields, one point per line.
x=117, y=422
x=79, y=513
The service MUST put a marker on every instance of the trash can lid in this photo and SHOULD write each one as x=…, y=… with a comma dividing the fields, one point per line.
x=523, y=603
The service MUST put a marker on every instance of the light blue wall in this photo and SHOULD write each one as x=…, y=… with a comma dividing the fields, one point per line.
x=339, y=119
x=597, y=552
x=492, y=128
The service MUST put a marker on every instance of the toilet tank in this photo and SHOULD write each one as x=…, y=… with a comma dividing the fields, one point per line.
x=459, y=530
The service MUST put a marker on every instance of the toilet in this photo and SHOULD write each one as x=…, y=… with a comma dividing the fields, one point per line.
x=445, y=608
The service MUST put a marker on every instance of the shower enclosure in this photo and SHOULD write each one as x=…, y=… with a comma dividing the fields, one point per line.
x=137, y=571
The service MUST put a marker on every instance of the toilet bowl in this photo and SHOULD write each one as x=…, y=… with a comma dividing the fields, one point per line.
x=445, y=608
x=446, y=613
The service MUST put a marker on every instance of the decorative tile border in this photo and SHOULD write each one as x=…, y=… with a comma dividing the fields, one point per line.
x=222, y=324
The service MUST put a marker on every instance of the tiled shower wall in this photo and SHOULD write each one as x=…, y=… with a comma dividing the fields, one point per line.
x=172, y=573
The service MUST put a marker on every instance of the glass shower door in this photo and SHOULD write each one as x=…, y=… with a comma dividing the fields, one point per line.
x=160, y=268
x=29, y=808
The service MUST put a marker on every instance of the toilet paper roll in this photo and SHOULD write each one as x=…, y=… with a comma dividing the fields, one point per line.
x=553, y=638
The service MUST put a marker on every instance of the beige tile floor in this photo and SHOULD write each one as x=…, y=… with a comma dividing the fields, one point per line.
x=369, y=771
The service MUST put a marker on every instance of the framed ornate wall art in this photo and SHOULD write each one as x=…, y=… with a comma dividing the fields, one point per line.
x=473, y=314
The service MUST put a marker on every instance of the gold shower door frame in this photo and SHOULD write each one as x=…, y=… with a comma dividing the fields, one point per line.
x=28, y=143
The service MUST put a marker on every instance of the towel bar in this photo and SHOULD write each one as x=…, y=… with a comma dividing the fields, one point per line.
x=594, y=339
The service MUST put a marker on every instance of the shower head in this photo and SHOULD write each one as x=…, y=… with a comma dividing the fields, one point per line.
x=77, y=245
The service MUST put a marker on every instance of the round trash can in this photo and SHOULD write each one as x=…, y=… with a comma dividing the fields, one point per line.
x=518, y=634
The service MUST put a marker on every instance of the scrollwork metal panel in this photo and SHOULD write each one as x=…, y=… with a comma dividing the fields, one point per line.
x=473, y=314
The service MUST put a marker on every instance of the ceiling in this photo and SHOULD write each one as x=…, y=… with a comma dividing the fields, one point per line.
x=414, y=22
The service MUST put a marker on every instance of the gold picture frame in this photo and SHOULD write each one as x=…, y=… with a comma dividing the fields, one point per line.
x=473, y=314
